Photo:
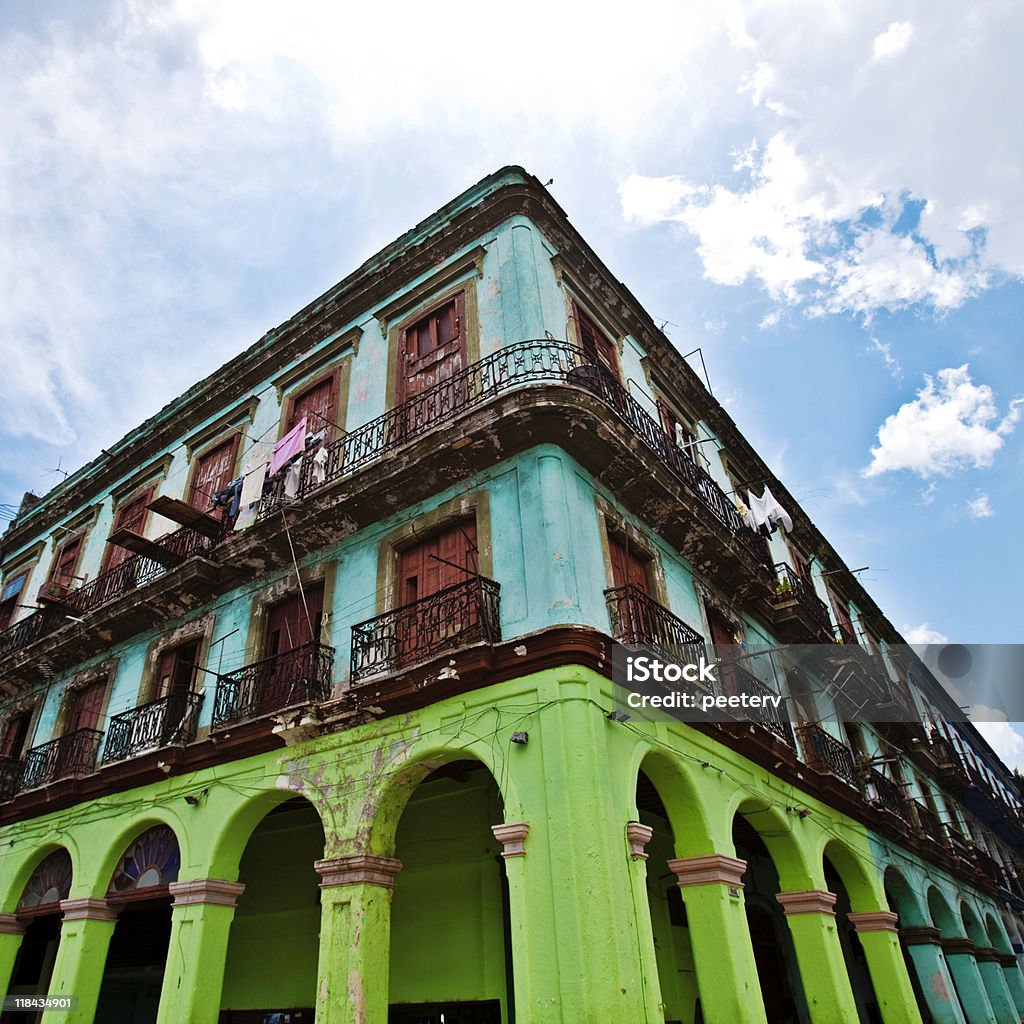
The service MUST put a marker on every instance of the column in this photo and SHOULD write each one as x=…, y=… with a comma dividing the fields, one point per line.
x=201, y=917
x=1014, y=981
x=933, y=975
x=722, y=953
x=879, y=939
x=85, y=934
x=811, y=917
x=969, y=985
x=11, y=931
x=991, y=971
x=637, y=838
x=355, y=939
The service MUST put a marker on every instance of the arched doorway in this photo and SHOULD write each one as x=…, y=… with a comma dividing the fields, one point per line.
x=450, y=960
x=134, y=969
x=677, y=976
x=778, y=973
x=39, y=910
x=273, y=946
x=903, y=902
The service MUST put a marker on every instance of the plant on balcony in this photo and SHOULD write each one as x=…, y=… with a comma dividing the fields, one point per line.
x=784, y=589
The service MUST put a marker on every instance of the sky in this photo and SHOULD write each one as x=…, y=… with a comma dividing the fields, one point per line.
x=825, y=198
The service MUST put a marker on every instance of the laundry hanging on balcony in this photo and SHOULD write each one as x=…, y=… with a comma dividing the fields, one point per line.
x=293, y=443
x=292, y=477
x=229, y=497
x=765, y=514
x=320, y=465
x=253, y=475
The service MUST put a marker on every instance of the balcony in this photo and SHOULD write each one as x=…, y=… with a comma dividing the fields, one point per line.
x=928, y=821
x=515, y=366
x=63, y=758
x=638, y=620
x=859, y=676
x=462, y=614
x=796, y=605
x=825, y=754
x=165, y=722
x=738, y=680
x=885, y=794
x=29, y=629
x=290, y=679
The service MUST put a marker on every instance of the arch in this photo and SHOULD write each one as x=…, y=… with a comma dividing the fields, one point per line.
x=942, y=914
x=49, y=883
x=153, y=859
x=904, y=899
x=791, y=862
x=997, y=934
x=972, y=923
x=19, y=876
x=687, y=813
x=861, y=885
x=98, y=884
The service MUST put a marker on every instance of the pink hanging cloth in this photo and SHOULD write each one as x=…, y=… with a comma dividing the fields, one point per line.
x=293, y=443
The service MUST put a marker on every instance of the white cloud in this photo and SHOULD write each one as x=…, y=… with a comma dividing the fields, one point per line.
x=979, y=507
x=952, y=424
x=928, y=494
x=884, y=349
x=893, y=40
x=770, y=319
x=1002, y=737
x=924, y=634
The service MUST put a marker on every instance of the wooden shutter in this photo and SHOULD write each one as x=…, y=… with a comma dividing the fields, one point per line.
x=84, y=712
x=319, y=404
x=14, y=736
x=130, y=516
x=595, y=343
x=440, y=561
x=62, y=571
x=629, y=567
x=215, y=470
x=433, y=348
x=176, y=670
x=288, y=625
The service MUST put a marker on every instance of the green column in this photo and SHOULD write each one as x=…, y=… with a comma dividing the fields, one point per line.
x=991, y=971
x=11, y=931
x=85, y=935
x=933, y=977
x=201, y=917
x=355, y=939
x=637, y=838
x=969, y=985
x=812, y=923
x=879, y=939
x=723, y=956
x=1014, y=981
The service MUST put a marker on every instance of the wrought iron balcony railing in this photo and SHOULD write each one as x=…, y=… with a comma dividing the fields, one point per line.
x=10, y=777
x=928, y=821
x=525, y=363
x=133, y=572
x=737, y=679
x=823, y=752
x=63, y=758
x=792, y=586
x=885, y=793
x=165, y=722
x=461, y=614
x=289, y=679
x=637, y=619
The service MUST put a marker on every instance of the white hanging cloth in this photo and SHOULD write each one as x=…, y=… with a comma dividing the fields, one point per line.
x=766, y=513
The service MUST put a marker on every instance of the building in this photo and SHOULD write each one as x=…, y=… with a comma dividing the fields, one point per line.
x=357, y=759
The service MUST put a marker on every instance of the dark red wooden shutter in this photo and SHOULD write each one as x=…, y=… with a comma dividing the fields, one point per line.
x=130, y=516
x=287, y=622
x=213, y=473
x=628, y=567
x=319, y=405
x=85, y=708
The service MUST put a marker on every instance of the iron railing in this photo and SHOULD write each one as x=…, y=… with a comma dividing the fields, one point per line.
x=774, y=719
x=461, y=614
x=637, y=619
x=824, y=753
x=885, y=793
x=29, y=629
x=956, y=841
x=928, y=821
x=515, y=366
x=292, y=678
x=792, y=586
x=160, y=723
x=10, y=777
x=62, y=758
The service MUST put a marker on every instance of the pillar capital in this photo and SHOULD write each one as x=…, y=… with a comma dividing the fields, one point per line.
x=10, y=925
x=638, y=836
x=953, y=946
x=873, y=920
x=808, y=901
x=714, y=867
x=987, y=954
x=512, y=838
x=920, y=935
x=213, y=891
x=361, y=869
x=1007, y=960
x=88, y=909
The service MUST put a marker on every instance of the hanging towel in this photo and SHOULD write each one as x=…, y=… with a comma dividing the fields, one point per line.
x=766, y=513
x=320, y=466
x=292, y=476
x=253, y=475
x=293, y=443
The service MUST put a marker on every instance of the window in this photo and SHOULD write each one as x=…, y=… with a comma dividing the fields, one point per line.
x=9, y=598
x=65, y=562
x=84, y=708
x=595, y=343
x=176, y=671
x=131, y=515
x=288, y=624
x=801, y=566
x=680, y=431
x=629, y=566
x=433, y=348
x=319, y=405
x=846, y=633
x=214, y=471
x=14, y=735
x=440, y=561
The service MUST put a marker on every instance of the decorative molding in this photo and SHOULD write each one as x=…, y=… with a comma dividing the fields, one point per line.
x=712, y=868
x=473, y=260
x=79, y=524
x=361, y=869
x=88, y=909
x=809, y=901
x=212, y=891
x=594, y=306
x=873, y=920
x=638, y=836
x=1008, y=960
x=512, y=838
x=151, y=474
x=311, y=364
x=240, y=412
x=920, y=935
x=987, y=954
x=10, y=925
x=957, y=946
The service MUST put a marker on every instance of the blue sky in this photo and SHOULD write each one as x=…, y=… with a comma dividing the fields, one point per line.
x=826, y=198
